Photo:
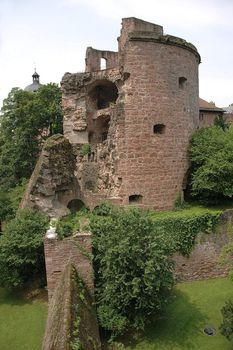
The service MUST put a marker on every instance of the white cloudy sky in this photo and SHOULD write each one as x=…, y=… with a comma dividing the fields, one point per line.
x=55, y=33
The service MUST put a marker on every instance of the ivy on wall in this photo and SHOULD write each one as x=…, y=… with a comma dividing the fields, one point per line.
x=182, y=227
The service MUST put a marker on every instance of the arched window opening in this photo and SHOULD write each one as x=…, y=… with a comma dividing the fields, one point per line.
x=75, y=205
x=103, y=63
x=182, y=82
x=135, y=199
x=104, y=94
x=159, y=129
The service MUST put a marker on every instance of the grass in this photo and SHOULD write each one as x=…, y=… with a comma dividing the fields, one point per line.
x=193, y=306
x=22, y=322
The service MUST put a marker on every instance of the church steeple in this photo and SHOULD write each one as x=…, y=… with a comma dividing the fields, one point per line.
x=35, y=77
x=35, y=83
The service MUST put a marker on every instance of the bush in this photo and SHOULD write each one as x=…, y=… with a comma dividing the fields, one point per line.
x=68, y=225
x=133, y=273
x=86, y=149
x=211, y=153
x=104, y=209
x=21, y=249
x=226, y=328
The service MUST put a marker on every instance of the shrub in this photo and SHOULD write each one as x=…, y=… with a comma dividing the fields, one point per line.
x=104, y=209
x=21, y=249
x=69, y=224
x=133, y=273
x=226, y=327
x=86, y=149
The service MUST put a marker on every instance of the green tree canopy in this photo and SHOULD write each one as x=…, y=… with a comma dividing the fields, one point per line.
x=133, y=272
x=26, y=120
x=21, y=249
x=211, y=154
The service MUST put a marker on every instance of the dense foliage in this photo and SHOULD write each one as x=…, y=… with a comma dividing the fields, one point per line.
x=133, y=274
x=26, y=120
x=10, y=199
x=211, y=154
x=132, y=250
x=68, y=225
x=21, y=249
x=226, y=327
x=181, y=227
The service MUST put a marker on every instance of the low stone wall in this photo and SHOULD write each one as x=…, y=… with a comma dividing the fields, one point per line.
x=76, y=250
x=72, y=317
x=203, y=261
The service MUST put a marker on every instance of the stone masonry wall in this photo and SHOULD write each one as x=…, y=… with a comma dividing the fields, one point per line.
x=204, y=260
x=141, y=155
x=154, y=164
x=58, y=253
x=71, y=316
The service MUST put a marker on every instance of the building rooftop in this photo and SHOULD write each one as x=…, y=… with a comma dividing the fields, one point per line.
x=35, y=83
x=208, y=106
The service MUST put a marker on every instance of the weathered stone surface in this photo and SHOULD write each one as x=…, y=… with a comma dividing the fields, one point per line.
x=71, y=309
x=153, y=80
x=52, y=184
x=76, y=250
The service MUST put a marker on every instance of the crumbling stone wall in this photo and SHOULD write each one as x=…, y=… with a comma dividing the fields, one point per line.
x=71, y=316
x=145, y=129
x=53, y=184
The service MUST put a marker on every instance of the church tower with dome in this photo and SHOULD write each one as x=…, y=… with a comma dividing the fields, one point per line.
x=35, y=83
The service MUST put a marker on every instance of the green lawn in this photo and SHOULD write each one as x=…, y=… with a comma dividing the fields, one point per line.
x=193, y=306
x=22, y=322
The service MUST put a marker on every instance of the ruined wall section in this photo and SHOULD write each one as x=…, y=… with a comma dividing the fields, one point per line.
x=161, y=113
x=96, y=153
x=130, y=25
x=75, y=250
x=72, y=320
x=93, y=59
x=137, y=118
x=52, y=184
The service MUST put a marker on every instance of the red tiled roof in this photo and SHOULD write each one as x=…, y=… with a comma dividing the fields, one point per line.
x=208, y=106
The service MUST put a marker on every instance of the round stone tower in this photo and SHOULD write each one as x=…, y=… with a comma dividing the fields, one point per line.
x=137, y=115
x=161, y=113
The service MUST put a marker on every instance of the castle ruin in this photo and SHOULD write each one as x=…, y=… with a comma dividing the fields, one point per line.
x=133, y=117
x=127, y=126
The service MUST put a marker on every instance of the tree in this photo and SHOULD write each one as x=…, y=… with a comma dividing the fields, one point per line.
x=21, y=249
x=221, y=122
x=211, y=154
x=26, y=120
x=133, y=272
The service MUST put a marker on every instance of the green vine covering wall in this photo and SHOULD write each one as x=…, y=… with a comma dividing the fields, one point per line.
x=182, y=227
